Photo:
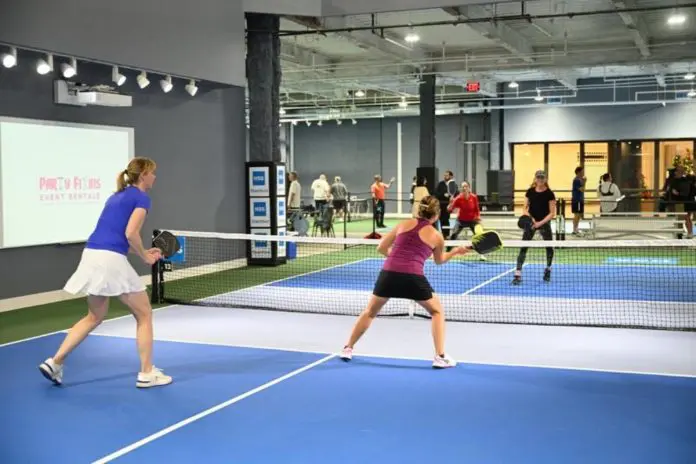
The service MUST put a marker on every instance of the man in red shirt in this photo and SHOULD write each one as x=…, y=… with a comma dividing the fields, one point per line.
x=469, y=214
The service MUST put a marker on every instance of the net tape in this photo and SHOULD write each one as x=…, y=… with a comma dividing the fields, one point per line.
x=536, y=243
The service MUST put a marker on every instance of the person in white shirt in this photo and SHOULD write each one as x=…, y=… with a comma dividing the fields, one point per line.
x=608, y=193
x=295, y=192
x=321, y=191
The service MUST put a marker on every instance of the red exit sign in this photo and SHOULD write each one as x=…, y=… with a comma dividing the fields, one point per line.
x=473, y=86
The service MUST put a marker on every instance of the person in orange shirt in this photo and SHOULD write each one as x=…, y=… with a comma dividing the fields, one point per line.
x=377, y=189
x=469, y=214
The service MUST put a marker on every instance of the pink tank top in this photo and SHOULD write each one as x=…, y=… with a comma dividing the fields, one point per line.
x=409, y=252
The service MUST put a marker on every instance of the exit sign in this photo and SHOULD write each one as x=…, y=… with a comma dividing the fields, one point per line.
x=474, y=86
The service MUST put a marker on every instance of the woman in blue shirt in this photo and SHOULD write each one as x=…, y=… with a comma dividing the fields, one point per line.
x=104, y=271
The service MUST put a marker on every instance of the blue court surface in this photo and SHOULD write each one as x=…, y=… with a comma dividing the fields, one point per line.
x=570, y=281
x=372, y=410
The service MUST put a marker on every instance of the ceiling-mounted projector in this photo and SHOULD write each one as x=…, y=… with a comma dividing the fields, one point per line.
x=77, y=94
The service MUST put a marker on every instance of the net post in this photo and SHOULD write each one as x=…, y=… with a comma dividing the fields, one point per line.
x=563, y=219
x=155, y=294
x=345, y=219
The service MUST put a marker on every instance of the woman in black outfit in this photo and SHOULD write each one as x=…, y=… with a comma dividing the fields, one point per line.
x=540, y=205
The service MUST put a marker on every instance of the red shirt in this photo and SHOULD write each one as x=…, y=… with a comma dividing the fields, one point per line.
x=468, y=207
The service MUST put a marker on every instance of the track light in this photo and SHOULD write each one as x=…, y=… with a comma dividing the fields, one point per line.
x=166, y=84
x=9, y=60
x=191, y=88
x=69, y=69
x=44, y=66
x=142, y=80
x=118, y=78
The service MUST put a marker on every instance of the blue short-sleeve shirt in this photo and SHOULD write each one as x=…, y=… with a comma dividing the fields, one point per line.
x=110, y=232
x=578, y=195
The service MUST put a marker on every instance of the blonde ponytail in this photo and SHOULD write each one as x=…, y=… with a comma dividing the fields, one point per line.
x=122, y=181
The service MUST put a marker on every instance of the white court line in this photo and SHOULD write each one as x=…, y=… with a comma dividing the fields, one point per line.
x=209, y=411
x=493, y=279
x=412, y=358
x=201, y=299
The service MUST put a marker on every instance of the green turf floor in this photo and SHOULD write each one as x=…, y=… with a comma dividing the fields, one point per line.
x=29, y=322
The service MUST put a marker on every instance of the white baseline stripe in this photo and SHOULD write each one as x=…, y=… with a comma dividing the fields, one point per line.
x=210, y=411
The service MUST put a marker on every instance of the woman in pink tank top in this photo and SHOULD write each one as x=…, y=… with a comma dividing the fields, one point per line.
x=407, y=247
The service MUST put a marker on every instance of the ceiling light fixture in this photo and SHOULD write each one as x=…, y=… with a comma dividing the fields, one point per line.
x=690, y=76
x=513, y=85
x=9, y=60
x=191, y=88
x=69, y=69
x=142, y=80
x=44, y=66
x=359, y=94
x=412, y=37
x=117, y=78
x=166, y=84
x=676, y=19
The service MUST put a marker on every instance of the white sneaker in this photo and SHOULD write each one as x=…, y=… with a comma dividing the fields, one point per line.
x=154, y=378
x=443, y=362
x=483, y=258
x=347, y=354
x=52, y=371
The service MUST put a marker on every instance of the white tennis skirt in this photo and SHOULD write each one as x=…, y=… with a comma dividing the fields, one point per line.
x=104, y=273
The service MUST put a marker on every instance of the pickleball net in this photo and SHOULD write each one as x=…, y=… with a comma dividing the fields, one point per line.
x=620, y=283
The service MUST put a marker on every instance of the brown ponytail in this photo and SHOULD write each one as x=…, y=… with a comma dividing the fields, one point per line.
x=429, y=207
x=131, y=175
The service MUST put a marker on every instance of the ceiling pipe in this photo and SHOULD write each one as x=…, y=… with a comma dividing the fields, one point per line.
x=414, y=111
x=488, y=19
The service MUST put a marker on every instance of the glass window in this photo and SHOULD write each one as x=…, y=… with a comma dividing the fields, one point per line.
x=668, y=151
x=526, y=160
x=596, y=165
x=647, y=181
x=563, y=159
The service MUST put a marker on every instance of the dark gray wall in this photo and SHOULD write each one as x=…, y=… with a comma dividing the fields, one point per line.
x=357, y=152
x=198, y=143
x=203, y=40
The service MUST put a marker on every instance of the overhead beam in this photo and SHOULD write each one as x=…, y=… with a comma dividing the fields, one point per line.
x=635, y=25
x=355, y=7
x=304, y=57
x=566, y=79
x=378, y=41
x=498, y=32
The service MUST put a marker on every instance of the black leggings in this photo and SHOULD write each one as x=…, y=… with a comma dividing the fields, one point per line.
x=546, y=234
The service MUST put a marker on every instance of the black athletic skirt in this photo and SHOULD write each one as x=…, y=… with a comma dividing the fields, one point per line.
x=392, y=284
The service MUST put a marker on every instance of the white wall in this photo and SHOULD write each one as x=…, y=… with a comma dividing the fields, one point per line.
x=203, y=40
x=558, y=124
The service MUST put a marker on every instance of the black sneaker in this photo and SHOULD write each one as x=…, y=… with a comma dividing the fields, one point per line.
x=517, y=280
x=547, y=275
